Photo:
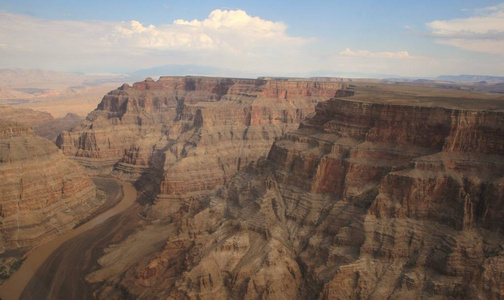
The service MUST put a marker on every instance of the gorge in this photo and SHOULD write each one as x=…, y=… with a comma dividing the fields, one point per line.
x=298, y=189
x=43, y=194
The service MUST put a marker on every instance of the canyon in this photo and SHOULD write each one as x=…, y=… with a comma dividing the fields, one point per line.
x=385, y=192
x=43, y=194
x=275, y=188
x=182, y=137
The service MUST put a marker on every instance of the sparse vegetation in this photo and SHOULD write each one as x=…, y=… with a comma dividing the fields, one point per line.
x=8, y=267
x=16, y=265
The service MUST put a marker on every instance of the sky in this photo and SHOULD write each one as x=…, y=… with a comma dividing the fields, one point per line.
x=274, y=38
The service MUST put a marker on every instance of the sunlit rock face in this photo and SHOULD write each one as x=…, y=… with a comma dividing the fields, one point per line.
x=43, y=193
x=190, y=135
x=365, y=200
x=43, y=123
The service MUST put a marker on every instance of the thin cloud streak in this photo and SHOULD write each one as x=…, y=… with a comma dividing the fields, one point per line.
x=386, y=54
x=482, y=33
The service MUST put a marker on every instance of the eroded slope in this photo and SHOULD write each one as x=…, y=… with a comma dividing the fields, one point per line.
x=190, y=135
x=43, y=123
x=42, y=193
x=366, y=200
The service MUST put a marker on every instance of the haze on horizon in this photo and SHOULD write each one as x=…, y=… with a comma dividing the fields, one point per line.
x=284, y=38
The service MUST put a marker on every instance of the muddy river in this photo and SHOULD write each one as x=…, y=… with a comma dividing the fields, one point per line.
x=13, y=288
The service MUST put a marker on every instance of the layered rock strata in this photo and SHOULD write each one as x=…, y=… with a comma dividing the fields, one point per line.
x=42, y=192
x=364, y=200
x=43, y=123
x=190, y=134
x=51, y=130
x=25, y=116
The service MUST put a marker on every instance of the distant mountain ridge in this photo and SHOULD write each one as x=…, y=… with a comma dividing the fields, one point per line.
x=177, y=70
x=16, y=78
x=464, y=78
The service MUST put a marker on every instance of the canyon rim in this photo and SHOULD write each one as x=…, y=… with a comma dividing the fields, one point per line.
x=276, y=188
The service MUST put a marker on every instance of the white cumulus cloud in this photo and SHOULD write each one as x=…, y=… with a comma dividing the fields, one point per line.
x=481, y=33
x=226, y=36
x=386, y=54
x=230, y=30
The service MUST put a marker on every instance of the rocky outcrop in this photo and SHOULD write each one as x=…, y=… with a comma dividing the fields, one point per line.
x=43, y=123
x=25, y=116
x=190, y=135
x=42, y=193
x=51, y=130
x=367, y=199
x=432, y=182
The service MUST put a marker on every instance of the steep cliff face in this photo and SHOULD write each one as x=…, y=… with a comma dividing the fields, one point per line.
x=365, y=200
x=431, y=180
x=192, y=133
x=42, y=192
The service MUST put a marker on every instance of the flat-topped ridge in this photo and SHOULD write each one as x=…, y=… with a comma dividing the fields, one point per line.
x=425, y=96
x=260, y=87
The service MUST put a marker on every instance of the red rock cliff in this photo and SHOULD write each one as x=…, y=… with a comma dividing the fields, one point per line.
x=365, y=200
x=196, y=132
x=43, y=194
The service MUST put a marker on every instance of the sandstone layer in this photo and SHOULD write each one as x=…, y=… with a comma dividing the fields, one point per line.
x=42, y=192
x=367, y=199
x=51, y=130
x=43, y=123
x=25, y=116
x=190, y=135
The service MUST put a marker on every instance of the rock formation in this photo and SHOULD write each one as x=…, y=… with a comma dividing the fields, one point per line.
x=190, y=134
x=367, y=199
x=25, y=116
x=42, y=192
x=43, y=123
x=51, y=130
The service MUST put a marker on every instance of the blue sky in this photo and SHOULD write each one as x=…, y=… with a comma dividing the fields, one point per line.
x=294, y=38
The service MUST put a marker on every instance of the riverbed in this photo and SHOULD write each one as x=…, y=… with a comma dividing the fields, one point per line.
x=14, y=286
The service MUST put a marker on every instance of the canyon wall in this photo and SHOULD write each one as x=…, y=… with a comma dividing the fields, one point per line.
x=42, y=192
x=43, y=123
x=25, y=116
x=365, y=200
x=189, y=135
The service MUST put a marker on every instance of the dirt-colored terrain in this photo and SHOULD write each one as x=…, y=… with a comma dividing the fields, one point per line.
x=44, y=280
x=43, y=193
x=55, y=92
x=189, y=135
x=80, y=254
x=79, y=101
x=76, y=100
x=43, y=123
x=394, y=191
x=290, y=189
